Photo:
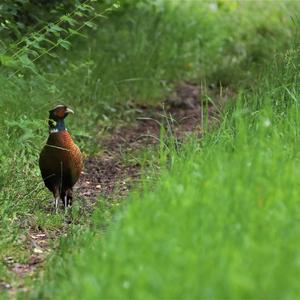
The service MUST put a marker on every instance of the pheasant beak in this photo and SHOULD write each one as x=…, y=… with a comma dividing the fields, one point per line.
x=69, y=111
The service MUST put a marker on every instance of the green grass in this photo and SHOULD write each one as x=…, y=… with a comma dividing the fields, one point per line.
x=137, y=55
x=221, y=223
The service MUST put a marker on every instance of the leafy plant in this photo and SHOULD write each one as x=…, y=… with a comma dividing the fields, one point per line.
x=23, y=54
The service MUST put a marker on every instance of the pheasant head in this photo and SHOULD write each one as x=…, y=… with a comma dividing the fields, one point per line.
x=57, y=116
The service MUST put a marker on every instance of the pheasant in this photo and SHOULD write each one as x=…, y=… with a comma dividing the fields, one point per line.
x=60, y=160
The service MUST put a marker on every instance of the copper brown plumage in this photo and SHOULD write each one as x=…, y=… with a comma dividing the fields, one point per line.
x=60, y=160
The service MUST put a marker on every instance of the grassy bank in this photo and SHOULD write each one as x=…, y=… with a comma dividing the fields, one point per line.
x=137, y=55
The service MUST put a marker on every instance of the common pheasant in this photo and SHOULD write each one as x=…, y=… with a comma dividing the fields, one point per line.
x=60, y=160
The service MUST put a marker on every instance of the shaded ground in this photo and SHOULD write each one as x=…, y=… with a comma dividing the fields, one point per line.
x=107, y=175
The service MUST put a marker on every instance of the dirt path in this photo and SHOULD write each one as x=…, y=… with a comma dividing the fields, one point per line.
x=181, y=114
x=109, y=176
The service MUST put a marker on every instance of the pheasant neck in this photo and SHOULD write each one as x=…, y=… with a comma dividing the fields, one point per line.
x=57, y=126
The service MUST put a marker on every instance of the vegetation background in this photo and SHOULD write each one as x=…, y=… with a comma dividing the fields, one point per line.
x=222, y=221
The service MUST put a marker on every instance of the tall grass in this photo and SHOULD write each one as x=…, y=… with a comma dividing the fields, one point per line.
x=136, y=55
x=221, y=223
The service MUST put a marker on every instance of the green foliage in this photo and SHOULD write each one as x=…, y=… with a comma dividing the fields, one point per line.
x=135, y=55
x=221, y=223
x=33, y=45
x=23, y=16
